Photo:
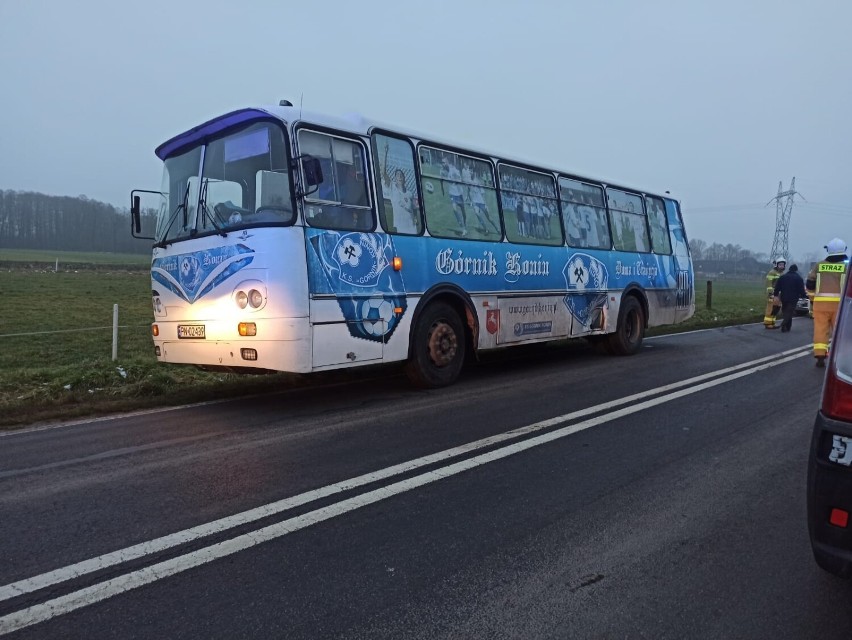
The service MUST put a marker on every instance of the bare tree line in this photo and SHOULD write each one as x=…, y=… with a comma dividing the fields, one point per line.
x=31, y=220
x=702, y=250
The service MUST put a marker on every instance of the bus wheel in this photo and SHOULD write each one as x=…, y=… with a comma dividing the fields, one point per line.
x=438, y=347
x=631, y=328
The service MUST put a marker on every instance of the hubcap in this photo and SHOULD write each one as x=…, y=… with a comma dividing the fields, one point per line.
x=443, y=344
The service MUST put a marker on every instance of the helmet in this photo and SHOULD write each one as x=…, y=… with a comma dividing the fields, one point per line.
x=779, y=259
x=836, y=247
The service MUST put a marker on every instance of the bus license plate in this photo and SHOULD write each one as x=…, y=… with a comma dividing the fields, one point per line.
x=191, y=331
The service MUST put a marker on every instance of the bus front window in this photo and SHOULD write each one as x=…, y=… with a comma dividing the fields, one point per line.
x=179, y=189
x=245, y=180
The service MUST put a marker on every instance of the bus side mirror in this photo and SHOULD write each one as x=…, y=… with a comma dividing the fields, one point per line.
x=313, y=171
x=134, y=212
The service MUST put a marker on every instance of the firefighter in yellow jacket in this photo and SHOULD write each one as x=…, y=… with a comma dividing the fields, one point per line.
x=825, y=288
x=772, y=309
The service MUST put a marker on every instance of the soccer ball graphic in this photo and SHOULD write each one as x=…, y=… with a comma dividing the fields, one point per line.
x=428, y=186
x=376, y=316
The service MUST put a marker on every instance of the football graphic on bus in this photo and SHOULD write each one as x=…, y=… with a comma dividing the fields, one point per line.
x=376, y=316
x=586, y=279
x=429, y=187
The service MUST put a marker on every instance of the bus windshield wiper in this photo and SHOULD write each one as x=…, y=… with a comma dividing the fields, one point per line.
x=181, y=207
x=208, y=215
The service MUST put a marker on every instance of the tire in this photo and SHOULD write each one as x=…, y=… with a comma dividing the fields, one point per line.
x=437, y=347
x=628, y=336
x=832, y=564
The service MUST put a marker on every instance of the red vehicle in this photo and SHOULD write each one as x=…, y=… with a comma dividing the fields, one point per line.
x=830, y=466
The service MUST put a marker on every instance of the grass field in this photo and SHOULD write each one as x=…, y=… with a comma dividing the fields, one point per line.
x=56, y=330
x=733, y=302
x=68, y=259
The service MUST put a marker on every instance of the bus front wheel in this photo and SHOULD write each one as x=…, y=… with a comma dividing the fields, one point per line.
x=630, y=331
x=438, y=347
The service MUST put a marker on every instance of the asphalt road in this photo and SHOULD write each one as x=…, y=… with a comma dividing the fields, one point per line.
x=551, y=493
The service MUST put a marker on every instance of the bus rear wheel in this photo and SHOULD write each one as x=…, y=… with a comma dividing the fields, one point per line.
x=630, y=331
x=438, y=347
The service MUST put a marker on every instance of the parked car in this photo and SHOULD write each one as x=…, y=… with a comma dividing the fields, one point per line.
x=803, y=306
x=830, y=465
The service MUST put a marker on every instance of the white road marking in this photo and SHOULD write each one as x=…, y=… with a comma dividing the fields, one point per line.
x=120, y=584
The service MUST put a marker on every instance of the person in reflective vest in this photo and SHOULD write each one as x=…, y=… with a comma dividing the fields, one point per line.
x=772, y=309
x=825, y=287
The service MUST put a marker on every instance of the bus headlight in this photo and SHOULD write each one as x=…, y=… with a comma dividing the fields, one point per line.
x=250, y=295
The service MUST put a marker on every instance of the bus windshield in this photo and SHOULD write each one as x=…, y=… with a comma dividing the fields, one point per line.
x=244, y=181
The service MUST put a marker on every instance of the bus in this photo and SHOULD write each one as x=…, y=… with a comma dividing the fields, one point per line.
x=304, y=242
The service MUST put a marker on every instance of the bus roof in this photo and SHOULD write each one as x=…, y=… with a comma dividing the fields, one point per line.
x=354, y=123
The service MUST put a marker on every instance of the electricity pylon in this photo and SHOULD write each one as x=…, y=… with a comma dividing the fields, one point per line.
x=784, y=209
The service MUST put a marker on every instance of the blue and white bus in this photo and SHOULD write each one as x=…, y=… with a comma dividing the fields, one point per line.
x=289, y=241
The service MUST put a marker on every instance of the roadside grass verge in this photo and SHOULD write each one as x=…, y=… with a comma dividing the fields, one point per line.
x=56, y=333
x=733, y=302
x=44, y=258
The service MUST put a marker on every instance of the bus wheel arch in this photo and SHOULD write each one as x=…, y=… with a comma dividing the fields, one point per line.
x=443, y=332
x=627, y=338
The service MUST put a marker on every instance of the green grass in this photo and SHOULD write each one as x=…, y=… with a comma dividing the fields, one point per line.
x=68, y=259
x=51, y=369
x=733, y=302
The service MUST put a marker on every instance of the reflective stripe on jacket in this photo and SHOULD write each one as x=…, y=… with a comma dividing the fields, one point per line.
x=830, y=277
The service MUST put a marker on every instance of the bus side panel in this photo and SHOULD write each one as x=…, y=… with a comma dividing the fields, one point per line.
x=527, y=318
x=533, y=292
x=333, y=345
x=358, y=299
x=682, y=276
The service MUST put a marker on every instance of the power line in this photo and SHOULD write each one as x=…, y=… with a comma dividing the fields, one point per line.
x=722, y=207
x=816, y=209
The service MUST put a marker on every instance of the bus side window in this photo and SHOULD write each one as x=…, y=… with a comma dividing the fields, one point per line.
x=353, y=189
x=660, y=239
x=342, y=200
x=396, y=181
x=584, y=214
x=325, y=190
x=272, y=196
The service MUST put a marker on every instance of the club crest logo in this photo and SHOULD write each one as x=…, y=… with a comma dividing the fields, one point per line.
x=189, y=273
x=585, y=273
x=360, y=259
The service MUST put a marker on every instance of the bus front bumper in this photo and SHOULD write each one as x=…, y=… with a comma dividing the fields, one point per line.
x=279, y=345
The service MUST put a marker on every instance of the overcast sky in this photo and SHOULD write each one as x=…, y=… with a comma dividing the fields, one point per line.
x=716, y=101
